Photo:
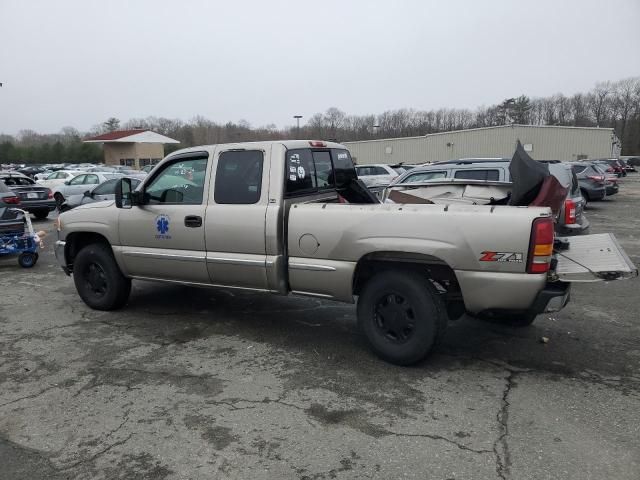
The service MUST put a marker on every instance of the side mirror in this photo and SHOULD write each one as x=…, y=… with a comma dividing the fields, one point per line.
x=87, y=193
x=66, y=182
x=123, y=193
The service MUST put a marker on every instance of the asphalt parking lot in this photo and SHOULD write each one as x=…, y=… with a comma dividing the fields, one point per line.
x=194, y=383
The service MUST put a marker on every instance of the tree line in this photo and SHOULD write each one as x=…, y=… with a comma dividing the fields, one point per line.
x=608, y=104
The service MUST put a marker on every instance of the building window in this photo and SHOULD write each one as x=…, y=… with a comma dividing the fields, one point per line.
x=144, y=162
x=155, y=161
x=128, y=162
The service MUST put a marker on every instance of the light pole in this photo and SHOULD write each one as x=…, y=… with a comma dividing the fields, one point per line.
x=297, y=117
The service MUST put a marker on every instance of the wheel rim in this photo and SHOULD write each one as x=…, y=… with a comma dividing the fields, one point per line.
x=27, y=260
x=394, y=318
x=95, y=279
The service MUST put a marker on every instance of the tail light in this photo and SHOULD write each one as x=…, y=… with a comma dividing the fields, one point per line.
x=317, y=143
x=49, y=194
x=569, y=211
x=540, y=246
x=597, y=178
x=12, y=200
x=610, y=170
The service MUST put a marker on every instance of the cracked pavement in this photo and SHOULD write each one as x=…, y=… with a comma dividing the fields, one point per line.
x=188, y=383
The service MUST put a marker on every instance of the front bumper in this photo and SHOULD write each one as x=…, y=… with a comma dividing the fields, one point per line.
x=552, y=298
x=59, y=249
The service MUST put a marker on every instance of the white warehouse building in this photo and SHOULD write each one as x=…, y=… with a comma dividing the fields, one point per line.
x=541, y=142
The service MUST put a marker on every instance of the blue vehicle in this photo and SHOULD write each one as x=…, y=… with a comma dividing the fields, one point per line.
x=17, y=237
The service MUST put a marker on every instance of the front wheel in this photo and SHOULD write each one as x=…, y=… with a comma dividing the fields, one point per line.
x=41, y=214
x=98, y=279
x=401, y=315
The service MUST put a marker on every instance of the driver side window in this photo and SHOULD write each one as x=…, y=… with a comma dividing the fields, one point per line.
x=180, y=182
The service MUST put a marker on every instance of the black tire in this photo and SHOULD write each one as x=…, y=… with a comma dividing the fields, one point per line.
x=41, y=214
x=59, y=198
x=416, y=316
x=27, y=259
x=585, y=197
x=98, y=279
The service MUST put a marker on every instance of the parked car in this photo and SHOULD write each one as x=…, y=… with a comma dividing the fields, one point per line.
x=8, y=201
x=97, y=193
x=42, y=175
x=80, y=184
x=377, y=174
x=571, y=219
x=592, y=181
x=617, y=166
x=34, y=198
x=611, y=179
x=628, y=167
x=59, y=177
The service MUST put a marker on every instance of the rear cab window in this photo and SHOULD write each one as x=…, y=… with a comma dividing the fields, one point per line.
x=311, y=171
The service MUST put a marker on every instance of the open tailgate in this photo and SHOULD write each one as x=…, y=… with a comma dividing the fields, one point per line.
x=594, y=258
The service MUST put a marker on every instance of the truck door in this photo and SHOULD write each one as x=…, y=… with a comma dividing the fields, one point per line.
x=235, y=220
x=164, y=237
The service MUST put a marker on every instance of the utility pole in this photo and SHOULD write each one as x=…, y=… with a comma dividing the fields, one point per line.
x=297, y=117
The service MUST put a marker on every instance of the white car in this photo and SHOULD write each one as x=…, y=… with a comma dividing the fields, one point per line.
x=378, y=174
x=42, y=175
x=58, y=178
x=81, y=183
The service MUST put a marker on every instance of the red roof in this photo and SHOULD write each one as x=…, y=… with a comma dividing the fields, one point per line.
x=117, y=134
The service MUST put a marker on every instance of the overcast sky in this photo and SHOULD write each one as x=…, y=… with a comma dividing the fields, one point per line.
x=76, y=63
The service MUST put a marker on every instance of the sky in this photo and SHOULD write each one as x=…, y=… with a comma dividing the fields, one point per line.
x=76, y=63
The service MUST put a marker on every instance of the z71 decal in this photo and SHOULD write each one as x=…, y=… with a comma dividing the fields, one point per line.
x=501, y=257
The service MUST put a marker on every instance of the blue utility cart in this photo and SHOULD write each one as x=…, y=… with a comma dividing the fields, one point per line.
x=17, y=237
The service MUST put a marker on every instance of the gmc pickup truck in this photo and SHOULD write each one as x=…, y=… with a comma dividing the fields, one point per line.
x=291, y=217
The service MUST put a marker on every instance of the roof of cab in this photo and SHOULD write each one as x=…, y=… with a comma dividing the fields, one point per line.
x=289, y=144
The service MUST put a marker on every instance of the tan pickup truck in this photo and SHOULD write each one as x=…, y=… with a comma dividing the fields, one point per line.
x=282, y=217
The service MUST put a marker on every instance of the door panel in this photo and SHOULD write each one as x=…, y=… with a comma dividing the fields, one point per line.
x=235, y=220
x=155, y=239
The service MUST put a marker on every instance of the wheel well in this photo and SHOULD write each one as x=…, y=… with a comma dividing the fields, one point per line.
x=435, y=269
x=77, y=241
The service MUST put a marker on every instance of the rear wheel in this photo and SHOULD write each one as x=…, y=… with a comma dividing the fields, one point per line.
x=98, y=279
x=585, y=198
x=401, y=315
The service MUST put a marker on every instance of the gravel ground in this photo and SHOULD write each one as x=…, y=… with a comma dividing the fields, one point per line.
x=196, y=383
